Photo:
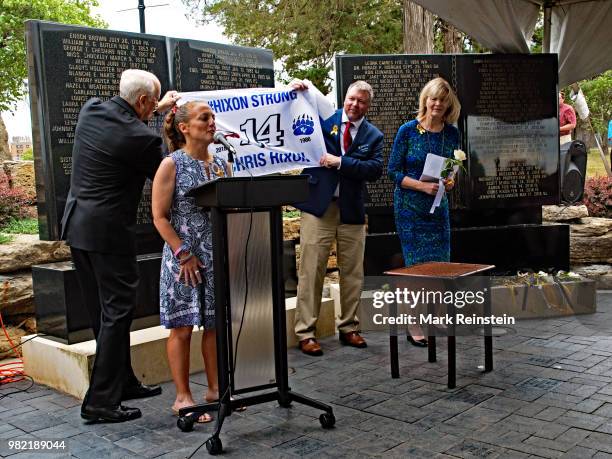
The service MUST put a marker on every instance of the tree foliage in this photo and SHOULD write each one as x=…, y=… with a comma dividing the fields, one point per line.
x=13, y=14
x=441, y=40
x=305, y=34
x=27, y=155
x=598, y=94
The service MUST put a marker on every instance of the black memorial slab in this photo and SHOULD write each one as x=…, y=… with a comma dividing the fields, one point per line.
x=201, y=66
x=67, y=65
x=61, y=313
x=509, y=130
x=511, y=247
x=508, y=122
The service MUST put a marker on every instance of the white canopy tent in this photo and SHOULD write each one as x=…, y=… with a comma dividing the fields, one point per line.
x=579, y=31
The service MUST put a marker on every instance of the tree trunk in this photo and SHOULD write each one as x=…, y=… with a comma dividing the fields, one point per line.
x=453, y=38
x=584, y=133
x=418, y=29
x=5, y=152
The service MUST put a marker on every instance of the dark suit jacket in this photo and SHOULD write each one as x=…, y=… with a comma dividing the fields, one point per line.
x=113, y=154
x=363, y=162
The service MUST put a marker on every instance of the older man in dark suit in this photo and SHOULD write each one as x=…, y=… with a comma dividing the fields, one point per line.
x=335, y=211
x=114, y=152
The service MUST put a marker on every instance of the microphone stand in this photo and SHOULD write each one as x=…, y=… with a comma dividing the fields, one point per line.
x=230, y=162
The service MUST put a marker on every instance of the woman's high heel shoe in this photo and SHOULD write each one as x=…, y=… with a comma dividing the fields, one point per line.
x=418, y=343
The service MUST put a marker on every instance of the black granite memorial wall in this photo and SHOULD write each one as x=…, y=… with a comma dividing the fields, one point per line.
x=202, y=66
x=67, y=65
x=508, y=121
x=508, y=128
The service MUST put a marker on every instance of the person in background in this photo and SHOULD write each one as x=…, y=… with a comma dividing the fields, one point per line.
x=610, y=139
x=424, y=236
x=114, y=152
x=335, y=211
x=186, y=280
x=567, y=120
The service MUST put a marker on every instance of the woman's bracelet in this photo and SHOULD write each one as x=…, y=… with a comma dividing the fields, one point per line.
x=182, y=248
x=184, y=260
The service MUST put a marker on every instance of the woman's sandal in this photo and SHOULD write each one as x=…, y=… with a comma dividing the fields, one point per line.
x=240, y=408
x=202, y=419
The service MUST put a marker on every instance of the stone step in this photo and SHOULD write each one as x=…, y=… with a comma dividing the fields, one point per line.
x=67, y=367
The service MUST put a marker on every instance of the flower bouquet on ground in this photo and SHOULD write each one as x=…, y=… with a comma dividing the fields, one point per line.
x=530, y=295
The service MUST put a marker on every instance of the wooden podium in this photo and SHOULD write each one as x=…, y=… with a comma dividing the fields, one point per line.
x=247, y=236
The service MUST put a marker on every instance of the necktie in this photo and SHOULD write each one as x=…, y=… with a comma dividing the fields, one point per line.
x=347, y=139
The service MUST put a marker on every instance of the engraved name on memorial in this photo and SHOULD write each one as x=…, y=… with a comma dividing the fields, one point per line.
x=202, y=66
x=509, y=106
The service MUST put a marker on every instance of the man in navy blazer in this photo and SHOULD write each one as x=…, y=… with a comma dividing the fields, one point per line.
x=114, y=152
x=335, y=211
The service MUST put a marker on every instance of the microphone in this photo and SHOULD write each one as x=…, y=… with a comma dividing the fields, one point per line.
x=219, y=137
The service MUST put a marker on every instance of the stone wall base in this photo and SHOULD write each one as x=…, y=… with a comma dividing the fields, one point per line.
x=67, y=367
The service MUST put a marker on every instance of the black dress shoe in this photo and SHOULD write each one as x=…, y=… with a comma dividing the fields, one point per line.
x=417, y=342
x=106, y=414
x=140, y=390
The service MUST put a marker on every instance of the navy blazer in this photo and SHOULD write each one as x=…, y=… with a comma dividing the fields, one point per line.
x=363, y=162
x=113, y=154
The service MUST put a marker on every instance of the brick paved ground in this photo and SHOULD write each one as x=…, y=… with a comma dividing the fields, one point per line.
x=549, y=396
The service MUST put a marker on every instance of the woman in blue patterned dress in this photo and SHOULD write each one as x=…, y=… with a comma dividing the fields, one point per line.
x=424, y=236
x=186, y=281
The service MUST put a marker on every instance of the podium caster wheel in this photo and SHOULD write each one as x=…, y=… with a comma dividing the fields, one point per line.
x=185, y=423
x=214, y=446
x=327, y=420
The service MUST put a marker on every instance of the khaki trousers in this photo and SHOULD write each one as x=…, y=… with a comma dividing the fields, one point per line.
x=316, y=238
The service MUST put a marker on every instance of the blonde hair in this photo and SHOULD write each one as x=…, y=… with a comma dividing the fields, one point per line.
x=439, y=88
x=361, y=85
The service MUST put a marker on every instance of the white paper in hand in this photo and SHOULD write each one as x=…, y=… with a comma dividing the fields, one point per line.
x=433, y=168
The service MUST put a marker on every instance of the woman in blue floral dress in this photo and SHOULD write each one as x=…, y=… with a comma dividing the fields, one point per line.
x=424, y=236
x=186, y=281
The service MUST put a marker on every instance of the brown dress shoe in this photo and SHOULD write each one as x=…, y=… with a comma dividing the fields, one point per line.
x=310, y=346
x=353, y=339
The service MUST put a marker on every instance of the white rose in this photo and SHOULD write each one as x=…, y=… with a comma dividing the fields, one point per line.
x=459, y=155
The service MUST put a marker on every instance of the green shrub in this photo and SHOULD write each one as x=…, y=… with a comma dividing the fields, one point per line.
x=291, y=212
x=598, y=196
x=28, y=155
x=24, y=226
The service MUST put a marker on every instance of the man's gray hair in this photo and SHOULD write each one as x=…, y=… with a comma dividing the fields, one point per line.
x=136, y=82
x=362, y=86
